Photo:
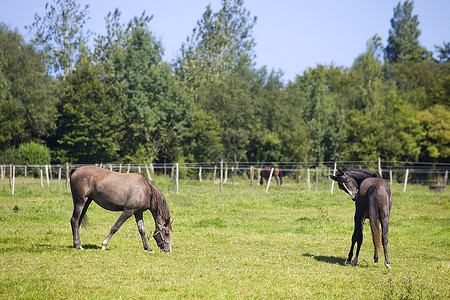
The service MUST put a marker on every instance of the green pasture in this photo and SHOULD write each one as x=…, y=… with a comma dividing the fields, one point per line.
x=240, y=243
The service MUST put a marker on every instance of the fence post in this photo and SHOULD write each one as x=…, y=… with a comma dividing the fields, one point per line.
x=200, y=174
x=67, y=176
x=232, y=176
x=379, y=167
x=268, y=181
x=334, y=174
x=46, y=176
x=317, y=179
x=390, y=176
x=445, y=178
x=10, y=176
x=13, y=179
x=406, y=179
x=148, y=173
x=42, y=179
x=214, y=175
x=251, y=176
x=308, y=179
x=221, y=175
x=176, y=177
x=226, y=174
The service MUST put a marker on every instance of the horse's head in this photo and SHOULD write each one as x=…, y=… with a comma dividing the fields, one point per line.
x=163, y=233
x=346, y=183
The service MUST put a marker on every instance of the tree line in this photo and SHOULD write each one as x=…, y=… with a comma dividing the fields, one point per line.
x=119, y=101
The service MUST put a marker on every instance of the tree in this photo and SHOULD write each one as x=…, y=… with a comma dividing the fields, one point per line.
x=27, y=95
x=403, y=41
x=367, y=75
x=90, y=126
x=154, y=107
x=216, y=67
x=219, y=44
x=436, y=143
x=60, y=35
x=320, y=95
x=444, y=52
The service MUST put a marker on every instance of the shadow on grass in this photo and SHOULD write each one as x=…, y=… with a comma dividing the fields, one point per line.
x=68, y=247
x=327, y=259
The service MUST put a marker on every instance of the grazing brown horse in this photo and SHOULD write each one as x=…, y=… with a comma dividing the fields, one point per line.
x=130, y=193
x=373, y=200
x=277, y=173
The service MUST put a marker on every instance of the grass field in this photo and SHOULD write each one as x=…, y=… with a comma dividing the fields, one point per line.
x=236, y=244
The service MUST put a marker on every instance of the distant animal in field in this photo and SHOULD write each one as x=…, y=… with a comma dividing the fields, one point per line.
x=130, y=193
x=373, y=200
x=277, y=174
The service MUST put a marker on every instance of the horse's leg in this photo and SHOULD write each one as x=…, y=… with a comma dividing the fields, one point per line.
x=354, y=239
x=80, y=205
x=141, y=228
x=350, y=253
x=359, y=224
x=384, y=239
x=123, y=217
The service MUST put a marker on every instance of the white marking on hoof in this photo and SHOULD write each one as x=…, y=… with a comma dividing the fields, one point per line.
x=355, y=261
x=388, y=266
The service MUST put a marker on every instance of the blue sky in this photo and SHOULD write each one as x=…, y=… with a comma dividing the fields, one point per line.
x=291, y=35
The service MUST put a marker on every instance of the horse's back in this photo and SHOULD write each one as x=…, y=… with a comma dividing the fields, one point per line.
x=378, y=190
x=109, y=189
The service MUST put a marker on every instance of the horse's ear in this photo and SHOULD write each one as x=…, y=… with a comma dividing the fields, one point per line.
x=334, y=177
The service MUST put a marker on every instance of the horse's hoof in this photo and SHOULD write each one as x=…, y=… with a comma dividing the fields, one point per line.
x=348, y=261
x=388, y=266
x=78, y=247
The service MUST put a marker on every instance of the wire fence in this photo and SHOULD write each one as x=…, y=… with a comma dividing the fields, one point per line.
x=308, y=175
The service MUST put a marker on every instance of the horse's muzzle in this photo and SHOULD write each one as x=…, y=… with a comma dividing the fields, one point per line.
x=163, y=244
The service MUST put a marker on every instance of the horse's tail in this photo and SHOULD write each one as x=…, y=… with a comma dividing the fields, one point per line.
x=374, y=221
x=85, y=222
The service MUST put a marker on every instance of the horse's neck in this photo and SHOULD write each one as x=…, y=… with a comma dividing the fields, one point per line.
x=359, y=177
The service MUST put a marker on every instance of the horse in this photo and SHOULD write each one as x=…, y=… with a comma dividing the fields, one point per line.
x=130, y=193
x=277, y=173
x=373, y=200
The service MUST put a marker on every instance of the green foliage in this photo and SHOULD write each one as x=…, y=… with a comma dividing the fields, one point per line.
x=33, y=153
x=120, y=102
x=27, y=96
x=89, y=128
x=436, y=144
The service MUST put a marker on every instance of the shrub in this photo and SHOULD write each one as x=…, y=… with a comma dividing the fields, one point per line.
x=34, y=154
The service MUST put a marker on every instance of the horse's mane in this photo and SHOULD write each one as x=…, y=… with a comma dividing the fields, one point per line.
x=359, y=174
x=360, y=171
x=158, y=202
